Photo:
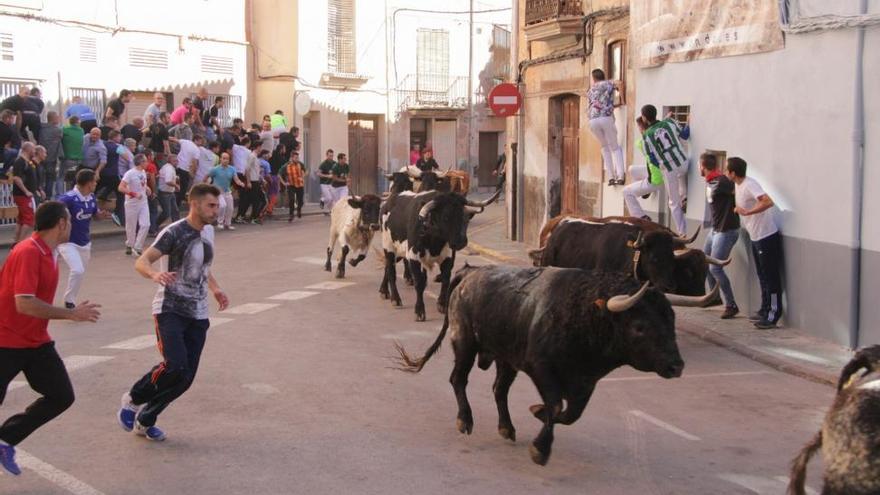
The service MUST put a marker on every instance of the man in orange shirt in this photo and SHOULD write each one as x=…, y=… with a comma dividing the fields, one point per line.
x=28, y=281
x=293, y=179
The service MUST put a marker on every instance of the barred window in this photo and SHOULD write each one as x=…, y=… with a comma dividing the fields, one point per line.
x=340, y=37
x=432, y=59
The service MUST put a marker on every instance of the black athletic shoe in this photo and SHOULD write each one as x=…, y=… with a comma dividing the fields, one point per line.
x=729, y=312
x=765, y=325
x=757, y=317
x=612, y=182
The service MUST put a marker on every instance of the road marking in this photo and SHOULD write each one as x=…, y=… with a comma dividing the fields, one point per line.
x=800, y=355
x=760, y=484
x=666, y=426
x=55, y=475
x=409, y=333
x=293, y=295
x=702, y=375
x=261, y=388
x=217, y=321
x=330, y=285
x=311, y=260
x=134, y=344
x=250, y=308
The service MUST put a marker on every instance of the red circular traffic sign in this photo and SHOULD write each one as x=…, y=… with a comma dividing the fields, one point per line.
x=505, y=100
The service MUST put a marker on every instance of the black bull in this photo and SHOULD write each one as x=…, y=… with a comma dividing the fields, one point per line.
x=647, y=250
x=564, y=328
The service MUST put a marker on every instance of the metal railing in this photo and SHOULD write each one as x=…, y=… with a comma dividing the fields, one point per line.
x=548, y=10
x=432, y=92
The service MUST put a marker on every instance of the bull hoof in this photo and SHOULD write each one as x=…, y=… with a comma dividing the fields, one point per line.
x=538, y=457
x=441, y=308
x=438, y=279
x=408, y=281
x=464, y=426
x=340, y=274
x=420, y=317
x=327, y=267
x=507, y=433
x=383, y=294
x=397, y=302
x=353, y=262
x=537, y=411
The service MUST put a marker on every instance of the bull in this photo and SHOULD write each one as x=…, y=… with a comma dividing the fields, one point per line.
x=850, y=434
x=353, y=222
x=425, y=230
x=564, y=328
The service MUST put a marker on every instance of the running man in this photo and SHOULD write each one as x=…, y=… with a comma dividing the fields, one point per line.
x=662, y=142
x=28, y=281
x=339, y=183
x=180, y=309
x=137, y=211
x=77, y=251
x=325, y=177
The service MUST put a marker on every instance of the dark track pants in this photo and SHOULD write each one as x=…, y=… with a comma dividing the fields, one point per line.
x=768, y=262
x=46, y=374
x=181, y=341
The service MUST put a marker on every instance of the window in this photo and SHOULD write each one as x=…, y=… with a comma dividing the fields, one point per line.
x=616, y=68
x=217, y=65
x=500, y=37
x=88, y=49
x=340, y=37
x=146, y=58
x=432, y=60
x=6, y=49
x=231, y=107
x=681, y=113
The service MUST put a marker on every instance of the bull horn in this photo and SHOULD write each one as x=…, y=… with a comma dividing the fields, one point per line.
x=441, y=174
x=717, y=262
x=414, y=172
x=693, y=301
x=483, y=204
x=385, y=195
x=389, y=176
x=685, y=240
x=618, y=304
x=640, y=240
x=426, y=210
x=681, y=253
x=472, y=210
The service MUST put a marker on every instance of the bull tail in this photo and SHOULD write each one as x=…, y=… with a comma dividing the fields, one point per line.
x=867, y=359
x=407, y=363
x=798, y=475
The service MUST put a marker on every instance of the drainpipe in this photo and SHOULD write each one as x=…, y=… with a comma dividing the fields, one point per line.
x=858, y=181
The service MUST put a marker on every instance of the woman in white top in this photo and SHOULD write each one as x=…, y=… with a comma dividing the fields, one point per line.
x=137, y=212
x=602, y=125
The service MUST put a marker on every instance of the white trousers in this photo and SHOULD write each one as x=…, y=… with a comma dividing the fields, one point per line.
x=77, y=258
x=673, y=179
x=605, y=131
x=227, y=209
x=137, y=223
x=338, y=193
x=327, y=195
x=631, y=195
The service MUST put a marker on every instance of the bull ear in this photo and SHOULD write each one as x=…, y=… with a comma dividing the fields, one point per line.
x=355, y=202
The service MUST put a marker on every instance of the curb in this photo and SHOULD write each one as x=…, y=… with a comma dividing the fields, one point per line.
x=813, y=374
x=121, y=231
x=823, y=377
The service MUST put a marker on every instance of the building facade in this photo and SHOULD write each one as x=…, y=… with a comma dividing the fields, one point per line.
x=96, y=48
x=787, y=89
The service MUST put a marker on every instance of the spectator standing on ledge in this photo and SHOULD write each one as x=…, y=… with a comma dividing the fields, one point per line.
x=83, y=112
x=72, y=137
x=753, y=206
x=116, y=107
x=51, y=135
x=602, y=125
x=28, y=280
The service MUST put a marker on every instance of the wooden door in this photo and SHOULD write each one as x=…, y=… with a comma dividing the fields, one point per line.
x=363, y=153
x=488, y=159
x=570, y=130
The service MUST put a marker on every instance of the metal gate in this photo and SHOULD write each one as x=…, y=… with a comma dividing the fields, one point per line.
x=93, y=98
x=231, y=109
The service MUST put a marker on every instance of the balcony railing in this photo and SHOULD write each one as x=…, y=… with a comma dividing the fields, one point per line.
x=549, y=10
x=432, y=92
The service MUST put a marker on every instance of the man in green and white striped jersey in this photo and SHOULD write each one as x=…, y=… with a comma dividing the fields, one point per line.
x=662, y=140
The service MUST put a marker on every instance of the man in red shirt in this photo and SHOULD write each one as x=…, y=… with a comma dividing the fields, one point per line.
x=28, y=281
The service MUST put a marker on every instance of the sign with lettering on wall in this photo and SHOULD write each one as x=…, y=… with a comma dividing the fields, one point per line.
x=684, y=30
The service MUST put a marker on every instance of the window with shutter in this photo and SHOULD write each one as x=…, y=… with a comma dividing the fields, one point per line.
x=88, y=49
x=340, y=37
x=432, y=60
x=6, y=49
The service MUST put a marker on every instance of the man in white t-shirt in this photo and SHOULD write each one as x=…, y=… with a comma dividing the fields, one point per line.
x=187, y=163
x=137, y=211
x=753, y=207
x=207, y=161
x=168, y=185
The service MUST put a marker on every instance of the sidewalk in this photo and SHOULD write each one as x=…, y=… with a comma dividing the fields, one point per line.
x=786, y=349
x=106, y=228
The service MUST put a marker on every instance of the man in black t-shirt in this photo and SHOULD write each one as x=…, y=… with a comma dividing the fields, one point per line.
x=31, y=109
x=721, y=195
x=10, y=140
x=25, y=189
x=159, y=136
x=15, y=103
x=133, y=130
x=325, y=177
x=117, y=105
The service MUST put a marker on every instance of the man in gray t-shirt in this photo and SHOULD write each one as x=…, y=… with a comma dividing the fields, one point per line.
x=186, y=251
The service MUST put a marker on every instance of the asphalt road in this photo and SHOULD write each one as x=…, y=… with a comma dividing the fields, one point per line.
x=295, y=395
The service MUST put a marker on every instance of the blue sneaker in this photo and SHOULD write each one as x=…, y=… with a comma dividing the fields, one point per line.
x=127, y=413
x=149, y=432
x=7, y=459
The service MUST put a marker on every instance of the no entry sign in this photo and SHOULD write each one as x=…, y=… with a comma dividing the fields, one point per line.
x=505, y=100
